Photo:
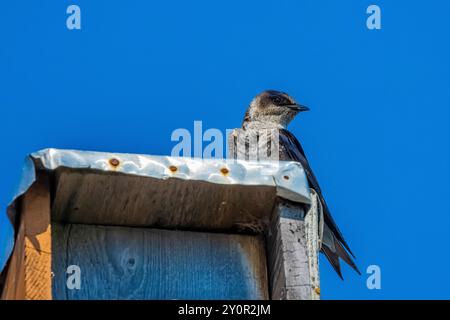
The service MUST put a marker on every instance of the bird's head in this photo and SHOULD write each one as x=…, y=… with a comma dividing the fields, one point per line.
x=272, y=109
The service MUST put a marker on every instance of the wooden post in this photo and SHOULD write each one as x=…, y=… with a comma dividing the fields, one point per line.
x=314, y=229
x=292, y=237
x=29, y=270
x=292, y=253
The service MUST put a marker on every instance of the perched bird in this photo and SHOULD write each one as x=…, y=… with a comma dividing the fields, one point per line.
x=275, y=110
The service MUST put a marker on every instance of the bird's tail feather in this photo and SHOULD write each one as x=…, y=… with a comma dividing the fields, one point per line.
x=333, y=249
x=333, y=226
x=333, y=258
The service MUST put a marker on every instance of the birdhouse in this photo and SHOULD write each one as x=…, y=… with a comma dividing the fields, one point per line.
x=120, y=226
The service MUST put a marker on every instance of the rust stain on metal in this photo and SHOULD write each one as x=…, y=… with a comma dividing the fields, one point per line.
x=317, y=290
x=225, y=171
x=114, y=162
x=173, y=169
x=286, y=177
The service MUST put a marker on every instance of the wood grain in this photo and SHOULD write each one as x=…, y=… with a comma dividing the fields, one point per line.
x=91, y=197
x=38, y=244
x=29, y=270
x=138, y=263
x=288, y=260
x=313, y=230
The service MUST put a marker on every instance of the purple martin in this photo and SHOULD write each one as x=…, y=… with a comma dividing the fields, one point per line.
x=275, y=110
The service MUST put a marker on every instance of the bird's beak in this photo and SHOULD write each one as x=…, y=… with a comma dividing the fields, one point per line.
x=298, y=107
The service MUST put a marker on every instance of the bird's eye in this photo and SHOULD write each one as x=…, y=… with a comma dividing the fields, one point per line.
x=277, y=100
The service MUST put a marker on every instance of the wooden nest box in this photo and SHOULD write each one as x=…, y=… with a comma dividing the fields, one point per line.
x=146, y=227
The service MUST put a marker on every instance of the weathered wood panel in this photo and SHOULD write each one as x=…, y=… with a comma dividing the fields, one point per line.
x=135, y=263
x=38, y=245
x=313, y=229
x=290, y=276
x=29, y=270
x=126, y=200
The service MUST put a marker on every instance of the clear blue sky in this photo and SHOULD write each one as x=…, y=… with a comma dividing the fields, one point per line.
x=377, y=135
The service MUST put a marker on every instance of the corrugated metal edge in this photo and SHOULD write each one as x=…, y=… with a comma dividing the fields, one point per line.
x=288, y=177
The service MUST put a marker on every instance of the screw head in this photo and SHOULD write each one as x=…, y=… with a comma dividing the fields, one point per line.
x=173, y=169
x=114, y=162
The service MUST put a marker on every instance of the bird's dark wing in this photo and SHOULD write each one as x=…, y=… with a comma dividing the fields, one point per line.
x=334, y=245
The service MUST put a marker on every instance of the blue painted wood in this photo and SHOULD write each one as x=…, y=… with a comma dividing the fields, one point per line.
x=137, y=263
